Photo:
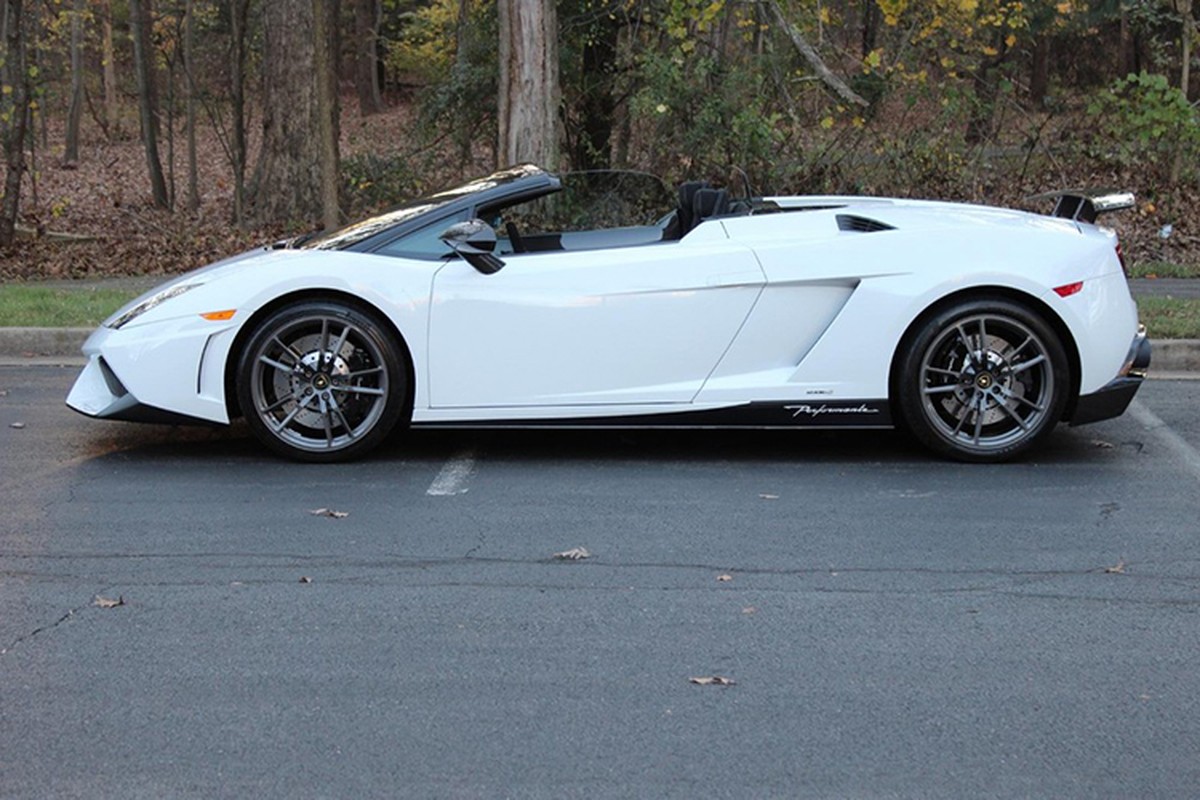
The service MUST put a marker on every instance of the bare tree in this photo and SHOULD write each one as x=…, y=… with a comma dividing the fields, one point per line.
x=189, y=39
x=112, y=119
x=139, y=25
x=366, y=57
x=14, y=107
x=75, y=110
x=529, y=82
x=296, y=179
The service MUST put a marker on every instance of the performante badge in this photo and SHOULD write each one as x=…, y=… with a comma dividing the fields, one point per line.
x=807, y=410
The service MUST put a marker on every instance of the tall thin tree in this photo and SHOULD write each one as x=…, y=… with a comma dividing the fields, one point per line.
x=139, y=24
x=14, y=116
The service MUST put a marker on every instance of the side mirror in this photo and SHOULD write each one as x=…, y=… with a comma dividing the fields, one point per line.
x=474, y=240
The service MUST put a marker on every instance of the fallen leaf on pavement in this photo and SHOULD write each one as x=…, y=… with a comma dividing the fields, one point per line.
x=574, y=554
x=17, y=425
x=328, y=512
x=714, y=680
x=1103, y=445
x=1116, y=569
x=749, y=610
x=305, y=579
x=101, y=601
x=769, y=496
x=724, y=578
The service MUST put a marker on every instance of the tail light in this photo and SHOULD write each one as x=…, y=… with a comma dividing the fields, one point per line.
x=1121, y=258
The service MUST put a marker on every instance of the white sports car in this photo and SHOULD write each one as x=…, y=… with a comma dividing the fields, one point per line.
x=602, y=299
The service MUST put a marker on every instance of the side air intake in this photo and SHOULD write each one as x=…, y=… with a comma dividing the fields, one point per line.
x=856, y=224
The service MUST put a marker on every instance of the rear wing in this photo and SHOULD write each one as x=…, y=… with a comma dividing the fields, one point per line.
x=1082, y=205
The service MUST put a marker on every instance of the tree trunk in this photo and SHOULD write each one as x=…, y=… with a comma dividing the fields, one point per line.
x=139, y=23
x=366, y=56
x=108, y=54
x=593, y=146
x=297, y=164
x=14, y=104
x=238, y=10
x=75, y=110
x=189, y=38
x=529, y=83
x=325, y=50
x=1039, y=76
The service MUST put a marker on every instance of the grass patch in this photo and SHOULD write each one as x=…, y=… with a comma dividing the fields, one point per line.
x=1164, y=269
x=1170, y=317
x=25, y=306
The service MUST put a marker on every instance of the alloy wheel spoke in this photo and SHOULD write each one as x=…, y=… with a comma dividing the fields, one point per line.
x=1015, y=417
x=356, y=389
x=279, y=365
x=337, y=409
x=340, y=343
x=323, y=352
x=941, y=389
x=286, y=421
x=1024, y=365
x=978, y=418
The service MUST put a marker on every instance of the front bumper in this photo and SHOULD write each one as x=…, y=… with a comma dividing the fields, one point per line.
x=1112, y=399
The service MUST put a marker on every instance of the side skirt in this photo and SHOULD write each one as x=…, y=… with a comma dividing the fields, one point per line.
x=796, y=414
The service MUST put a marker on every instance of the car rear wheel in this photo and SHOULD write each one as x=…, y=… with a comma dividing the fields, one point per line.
x=321, y=381
x=983, y=380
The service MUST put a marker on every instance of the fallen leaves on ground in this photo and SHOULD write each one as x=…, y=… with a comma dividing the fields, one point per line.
x=305, y=579
x=574, y=554
x=765, y=496
x=328, y=512
x=724, y=578
x=1116, y=569
x=1102, y=445
x=713, y=680
x=17, y=425
x=101, y=601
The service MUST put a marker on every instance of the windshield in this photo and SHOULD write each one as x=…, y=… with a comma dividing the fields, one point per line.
x=359, y=231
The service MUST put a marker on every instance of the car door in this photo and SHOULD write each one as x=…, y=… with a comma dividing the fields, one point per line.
x=644, y=324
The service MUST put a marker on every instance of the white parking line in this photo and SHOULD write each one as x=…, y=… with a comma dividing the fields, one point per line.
x=1174, y=442
x=454, y=475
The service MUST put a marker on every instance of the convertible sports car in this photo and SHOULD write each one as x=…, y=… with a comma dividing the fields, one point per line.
x=603, y=299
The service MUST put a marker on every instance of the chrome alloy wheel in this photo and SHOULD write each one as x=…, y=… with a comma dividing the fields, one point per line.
x=319, y=382
x=987, y=383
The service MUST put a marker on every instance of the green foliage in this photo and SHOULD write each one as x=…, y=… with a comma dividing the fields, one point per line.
x=374, y=182
x=1142, y=120
x=699, y=117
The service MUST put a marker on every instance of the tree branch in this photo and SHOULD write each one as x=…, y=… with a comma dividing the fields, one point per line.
x=833, y=82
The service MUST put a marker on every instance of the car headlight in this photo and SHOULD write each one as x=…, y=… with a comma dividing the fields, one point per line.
x=119, y=320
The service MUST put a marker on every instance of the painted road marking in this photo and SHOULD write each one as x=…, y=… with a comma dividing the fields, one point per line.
x=454, y=476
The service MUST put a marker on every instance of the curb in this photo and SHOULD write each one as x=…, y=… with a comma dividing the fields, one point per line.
x=18, y=345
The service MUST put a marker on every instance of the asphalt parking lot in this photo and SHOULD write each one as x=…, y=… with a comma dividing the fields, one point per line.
x=892, y=625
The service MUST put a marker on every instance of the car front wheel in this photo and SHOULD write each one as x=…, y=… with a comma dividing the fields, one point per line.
x=983, y=380
x=321, y=381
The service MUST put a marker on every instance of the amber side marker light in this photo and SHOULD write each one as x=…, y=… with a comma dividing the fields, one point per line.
x=1068, y=289
x=219, y=316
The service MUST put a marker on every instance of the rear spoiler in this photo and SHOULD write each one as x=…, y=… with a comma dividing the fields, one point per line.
x=1081, y=205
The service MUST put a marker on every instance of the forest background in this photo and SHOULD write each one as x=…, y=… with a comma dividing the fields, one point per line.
x=152, y=136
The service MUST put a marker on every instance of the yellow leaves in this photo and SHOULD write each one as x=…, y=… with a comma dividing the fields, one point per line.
x=990, y=51
x=1063, y=8
x=874, y=59
x=824, y=15
x=827, y=123
x=1010, y=41
x=968, y=6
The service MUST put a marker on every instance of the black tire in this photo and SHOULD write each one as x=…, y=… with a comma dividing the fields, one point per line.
x=322, y=381
x=983, y=380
